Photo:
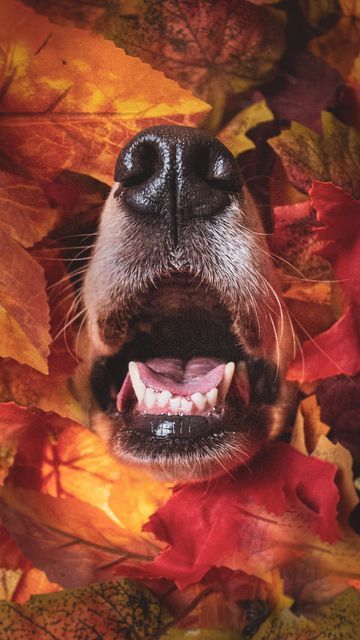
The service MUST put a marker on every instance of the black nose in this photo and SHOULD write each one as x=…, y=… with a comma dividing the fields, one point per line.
x=176, y=171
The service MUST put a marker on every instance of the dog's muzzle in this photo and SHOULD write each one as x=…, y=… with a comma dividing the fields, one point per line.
x=187, y=331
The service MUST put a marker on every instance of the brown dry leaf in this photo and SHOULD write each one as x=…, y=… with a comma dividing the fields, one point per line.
x=234, y=137
x=213, y=48
x=79, y=97
x=24, y=321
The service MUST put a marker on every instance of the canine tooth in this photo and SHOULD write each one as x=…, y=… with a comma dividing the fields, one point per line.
x=224, y=385
x=212, y=397
x=175, y=403
x=150, y=398
x=186, y=405
x=199, y=401
x=163, y=398
x=137, y=383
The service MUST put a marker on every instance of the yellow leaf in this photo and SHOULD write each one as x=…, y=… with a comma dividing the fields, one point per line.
x=234, y=135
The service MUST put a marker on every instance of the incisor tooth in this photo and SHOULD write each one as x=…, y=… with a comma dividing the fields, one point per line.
x=136, y=382
x=199, y=401
x=224, y=385
x=163, y=398
x=212, y=397
x=186, y=405
x=175, y=403
x=150, y=398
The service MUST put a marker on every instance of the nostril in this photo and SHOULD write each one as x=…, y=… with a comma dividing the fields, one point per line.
x=137, y=164
x=213, y=166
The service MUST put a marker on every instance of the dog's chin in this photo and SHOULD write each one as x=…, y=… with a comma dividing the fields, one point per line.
x=183, y=395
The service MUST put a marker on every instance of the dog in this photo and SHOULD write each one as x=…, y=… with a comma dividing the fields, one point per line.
x=188, y=338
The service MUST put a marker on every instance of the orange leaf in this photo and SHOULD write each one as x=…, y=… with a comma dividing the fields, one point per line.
x=23, y=306
x=72, y=541
x=75, y=112
x=24, y=211
x=53, y=392
x=213, y=48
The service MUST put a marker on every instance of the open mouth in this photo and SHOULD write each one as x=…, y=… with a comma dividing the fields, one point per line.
x=183, y=384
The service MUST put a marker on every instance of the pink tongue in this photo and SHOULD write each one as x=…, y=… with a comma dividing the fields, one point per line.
x=198, y=375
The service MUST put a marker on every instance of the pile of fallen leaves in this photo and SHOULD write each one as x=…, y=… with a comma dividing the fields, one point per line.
x=91, y=549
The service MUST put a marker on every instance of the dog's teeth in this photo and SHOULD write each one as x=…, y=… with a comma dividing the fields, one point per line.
x=199, y=401
x=175, y=403
x=150, y=398
x=224, y=385
x=212, y=397
x=186, y=405
x=136, y=382
x=163, y=398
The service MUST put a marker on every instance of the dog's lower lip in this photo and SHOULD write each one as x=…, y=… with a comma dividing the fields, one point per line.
x=171, y=427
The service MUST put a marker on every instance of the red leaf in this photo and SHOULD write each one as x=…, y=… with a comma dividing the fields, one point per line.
x=199, y=536
x=336, y=350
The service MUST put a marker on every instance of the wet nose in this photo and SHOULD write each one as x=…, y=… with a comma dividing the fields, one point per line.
x=177, y=172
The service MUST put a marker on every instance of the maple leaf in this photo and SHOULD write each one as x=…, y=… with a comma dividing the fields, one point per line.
x=340, y=46
x=75, y=113
x=234, y=137
x=339, y=619
x=339, y=400
x=317, y=10
x=336, y=350
x=335, y=155
x=309, y=87
x=211, y=47
x=199, y=537
x=24, y=320
x=25, y=213
x=58, y=534
x=111, y=610
x=52, y=392
x=350, y=98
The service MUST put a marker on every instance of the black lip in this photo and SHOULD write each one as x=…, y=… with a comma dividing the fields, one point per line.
x=167, y=427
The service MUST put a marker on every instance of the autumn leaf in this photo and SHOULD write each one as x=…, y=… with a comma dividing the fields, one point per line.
x=340, y=46
x=111, y=610
x=334, y=155
x=317, y=10
x=24, y=318
x=293, y=242
x=194, y=514
x=309, y=87
x=24, y=211
x=336, y=350
x=58, y=534
x=212, y=48
x=76, y=114
x=234, y=137
x=339, y=400
x=350, y=99
x=53, y=392
x=340, y=620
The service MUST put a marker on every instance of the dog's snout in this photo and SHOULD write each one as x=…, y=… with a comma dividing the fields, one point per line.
x=176, y=172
